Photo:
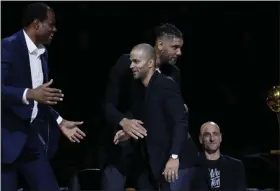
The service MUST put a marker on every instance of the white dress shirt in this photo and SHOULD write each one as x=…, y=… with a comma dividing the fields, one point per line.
x=37, y=76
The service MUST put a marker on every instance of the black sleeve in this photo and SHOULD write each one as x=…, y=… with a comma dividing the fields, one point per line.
x=117, y=74
x=174, y=105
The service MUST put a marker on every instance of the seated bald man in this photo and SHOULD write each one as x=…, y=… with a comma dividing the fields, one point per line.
x=167, y=151
x=217, y=172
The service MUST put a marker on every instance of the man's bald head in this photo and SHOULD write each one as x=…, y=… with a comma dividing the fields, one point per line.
x=209, y=125
x=143, y=60
x=210, y=137
x=145, y=50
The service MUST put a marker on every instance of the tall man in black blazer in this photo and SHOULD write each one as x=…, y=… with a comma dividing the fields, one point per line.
x=30, y=127
x=169, y=150
x=123, y=110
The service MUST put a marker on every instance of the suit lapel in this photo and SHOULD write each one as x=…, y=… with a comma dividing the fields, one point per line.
x=150, y=85
x=44, y=67
x=24, y=57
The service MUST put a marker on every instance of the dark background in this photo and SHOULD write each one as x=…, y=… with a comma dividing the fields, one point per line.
x=230, y=61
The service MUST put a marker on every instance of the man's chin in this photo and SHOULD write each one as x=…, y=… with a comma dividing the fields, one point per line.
x=47, y=41
x=135, y=77
x=173, y=62
x=212, y=150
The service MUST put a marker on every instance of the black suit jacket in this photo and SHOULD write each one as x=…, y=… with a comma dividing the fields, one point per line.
x=121, y=103
x=167, y=125
x=121, y=84
x=232, y=175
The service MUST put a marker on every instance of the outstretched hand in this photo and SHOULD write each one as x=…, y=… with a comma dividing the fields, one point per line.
x=71, y=131
x=44, y=94
x=134, y=128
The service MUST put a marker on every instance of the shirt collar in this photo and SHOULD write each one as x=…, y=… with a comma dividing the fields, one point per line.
x=32, y=48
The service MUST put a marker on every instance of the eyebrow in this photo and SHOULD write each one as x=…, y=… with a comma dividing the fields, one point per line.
x=210, y=132
x=134, y=59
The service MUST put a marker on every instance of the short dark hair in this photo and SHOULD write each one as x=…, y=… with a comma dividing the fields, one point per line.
x=168, y=30
x=35, y=11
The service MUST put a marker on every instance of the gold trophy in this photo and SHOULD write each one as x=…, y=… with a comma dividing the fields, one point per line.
x=273, y=101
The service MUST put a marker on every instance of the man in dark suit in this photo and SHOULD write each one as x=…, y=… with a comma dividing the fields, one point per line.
x=216, y=171
x=123, y=110
x=30, y=127
x=170, y=152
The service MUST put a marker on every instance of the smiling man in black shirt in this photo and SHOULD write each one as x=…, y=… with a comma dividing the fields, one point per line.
x=217, y=172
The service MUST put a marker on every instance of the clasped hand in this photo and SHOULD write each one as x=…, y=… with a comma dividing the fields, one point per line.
x=121, y=136
x=133, y=128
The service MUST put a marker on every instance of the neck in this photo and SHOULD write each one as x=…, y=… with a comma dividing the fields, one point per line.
x=212, y=156
x=148, y=77
x=31, y=35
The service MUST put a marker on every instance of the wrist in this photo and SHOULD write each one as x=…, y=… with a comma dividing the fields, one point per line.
x=122, y=121
x=61, y=123
x=30, y=94
x=174, y=156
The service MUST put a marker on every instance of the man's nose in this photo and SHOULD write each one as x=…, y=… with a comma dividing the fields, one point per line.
x=179, y=52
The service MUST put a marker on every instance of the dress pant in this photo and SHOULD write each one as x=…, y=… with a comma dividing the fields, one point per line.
x=32, y=163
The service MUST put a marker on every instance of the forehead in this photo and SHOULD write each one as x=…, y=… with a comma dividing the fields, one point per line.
x=136, y=54
x=210, y=128
x=173, y=41
x=50, y=16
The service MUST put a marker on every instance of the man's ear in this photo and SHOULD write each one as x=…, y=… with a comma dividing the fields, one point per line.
x=36, y=24
x=159, y=45
x=151, y=63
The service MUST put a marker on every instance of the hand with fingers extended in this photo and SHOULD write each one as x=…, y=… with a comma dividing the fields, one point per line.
x=133, y=128
x=71, y=131
x=44, y=94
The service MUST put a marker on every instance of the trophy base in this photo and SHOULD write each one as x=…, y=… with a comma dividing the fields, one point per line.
x=275, y=152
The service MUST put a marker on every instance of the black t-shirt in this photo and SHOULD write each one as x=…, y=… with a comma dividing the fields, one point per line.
x=224, y=174
x=214, y=174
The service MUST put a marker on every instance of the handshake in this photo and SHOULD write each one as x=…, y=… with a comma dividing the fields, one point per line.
x=131, y=128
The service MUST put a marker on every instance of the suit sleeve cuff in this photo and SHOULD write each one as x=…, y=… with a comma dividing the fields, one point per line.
x=59, y=120
x=24, y=100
